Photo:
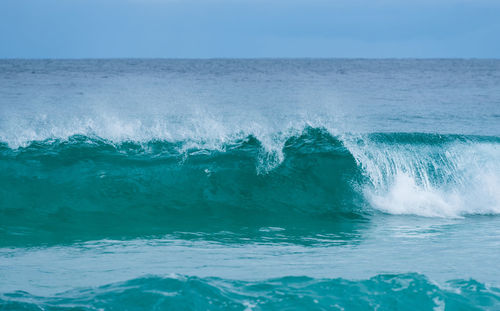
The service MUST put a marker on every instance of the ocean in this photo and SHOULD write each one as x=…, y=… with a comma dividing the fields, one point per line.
x=250, y=184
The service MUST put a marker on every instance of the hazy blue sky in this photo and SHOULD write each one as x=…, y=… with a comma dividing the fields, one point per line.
x=245, y=28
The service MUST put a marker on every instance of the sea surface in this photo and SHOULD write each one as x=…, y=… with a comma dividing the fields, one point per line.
x=268, y=184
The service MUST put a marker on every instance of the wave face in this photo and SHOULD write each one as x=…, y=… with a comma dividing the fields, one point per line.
x=85, y=182
x=382, y=292
x=90, y=185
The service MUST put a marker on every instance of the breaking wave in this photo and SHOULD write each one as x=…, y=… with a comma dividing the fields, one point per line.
x=88, y=181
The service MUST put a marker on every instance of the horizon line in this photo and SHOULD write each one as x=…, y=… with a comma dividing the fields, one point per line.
x=250, y=58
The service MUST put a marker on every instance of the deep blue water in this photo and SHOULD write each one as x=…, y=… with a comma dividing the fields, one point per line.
x=250, y=184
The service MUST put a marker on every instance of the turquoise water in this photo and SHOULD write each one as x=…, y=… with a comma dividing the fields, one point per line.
x=250, y=184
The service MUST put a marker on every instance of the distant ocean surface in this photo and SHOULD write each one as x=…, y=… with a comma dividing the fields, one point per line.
x=271, y=184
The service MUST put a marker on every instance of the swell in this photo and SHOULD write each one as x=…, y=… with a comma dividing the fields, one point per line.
x=87, y=185
x=382, y=292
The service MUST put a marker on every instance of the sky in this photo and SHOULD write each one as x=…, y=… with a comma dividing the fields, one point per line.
x=249, y=28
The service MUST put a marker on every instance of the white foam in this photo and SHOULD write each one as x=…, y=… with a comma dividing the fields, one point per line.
x=448, y=180
x=404, y=196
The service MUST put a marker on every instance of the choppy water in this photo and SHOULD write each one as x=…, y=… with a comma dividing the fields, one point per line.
x=250, y=184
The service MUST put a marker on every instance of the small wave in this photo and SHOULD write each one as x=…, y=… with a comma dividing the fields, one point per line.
x=382, y=292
